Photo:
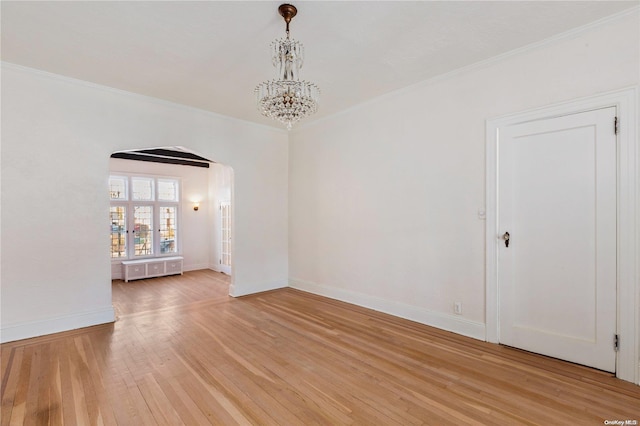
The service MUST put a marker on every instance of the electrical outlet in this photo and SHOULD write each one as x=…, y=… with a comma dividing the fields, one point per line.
x=457, y=308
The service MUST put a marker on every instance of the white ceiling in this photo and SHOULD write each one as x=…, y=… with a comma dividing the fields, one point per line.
x=212, y=54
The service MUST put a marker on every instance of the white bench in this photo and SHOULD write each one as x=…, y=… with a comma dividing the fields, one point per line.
x=154, y=267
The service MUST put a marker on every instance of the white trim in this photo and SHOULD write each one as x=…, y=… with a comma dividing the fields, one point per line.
x=237, y=290
x=42, y=327
x=625, y=101
x=195, y=267
x=188, y=108
x=439, y=320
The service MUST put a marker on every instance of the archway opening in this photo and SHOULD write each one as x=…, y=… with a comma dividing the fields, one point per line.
x=171, y=214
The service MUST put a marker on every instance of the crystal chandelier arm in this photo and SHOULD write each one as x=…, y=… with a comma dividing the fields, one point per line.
x=287, y=57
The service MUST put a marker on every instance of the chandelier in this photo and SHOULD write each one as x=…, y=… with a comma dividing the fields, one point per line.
x=286, y=98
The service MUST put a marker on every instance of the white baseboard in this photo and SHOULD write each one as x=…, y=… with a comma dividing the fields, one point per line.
x=29, y=329
x=195, y=267
x=242, y=289
x=447, y=322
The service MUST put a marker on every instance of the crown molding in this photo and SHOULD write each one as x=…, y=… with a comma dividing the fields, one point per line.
x=95, y=86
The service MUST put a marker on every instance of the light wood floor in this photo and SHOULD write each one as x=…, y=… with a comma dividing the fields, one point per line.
x=182, y=352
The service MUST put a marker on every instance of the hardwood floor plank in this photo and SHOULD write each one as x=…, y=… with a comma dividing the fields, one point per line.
x=66, y=384
x=44, y=402
x=215, y=371
x=186, y=408
x=20, y=395
x=95, y=367
x=184, y=352
x=55, y=388
x=159, y=405
x=76, y=376
x=11, y=362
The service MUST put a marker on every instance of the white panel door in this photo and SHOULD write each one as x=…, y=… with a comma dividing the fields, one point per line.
x=557, y=201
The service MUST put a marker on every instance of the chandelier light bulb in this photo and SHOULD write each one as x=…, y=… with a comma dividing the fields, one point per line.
x=286, y=98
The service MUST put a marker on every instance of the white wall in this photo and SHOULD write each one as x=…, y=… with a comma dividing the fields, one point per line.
x=57, y=136
x=384, y=198
x=195, y=226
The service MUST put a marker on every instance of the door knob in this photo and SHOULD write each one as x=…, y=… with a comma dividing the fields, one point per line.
x=506, y=239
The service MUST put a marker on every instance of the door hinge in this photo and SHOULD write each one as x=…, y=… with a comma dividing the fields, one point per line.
x=616, y=342
x=615, y=125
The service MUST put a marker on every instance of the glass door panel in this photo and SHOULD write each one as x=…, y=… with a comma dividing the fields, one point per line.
x=118, y=216
x=143, y=230
x=168, y=231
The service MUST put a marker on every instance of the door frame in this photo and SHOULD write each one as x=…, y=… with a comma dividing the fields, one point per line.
x=628, y=237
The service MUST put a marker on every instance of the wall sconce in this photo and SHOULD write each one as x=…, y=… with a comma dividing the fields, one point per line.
x=195, y=200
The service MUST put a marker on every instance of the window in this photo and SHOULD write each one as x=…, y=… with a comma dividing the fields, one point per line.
x=118, y=188
x=167, y=190
x=142, y=189
x=144, y=216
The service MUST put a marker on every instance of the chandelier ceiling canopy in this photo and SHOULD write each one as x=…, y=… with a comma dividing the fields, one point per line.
x=286, y=98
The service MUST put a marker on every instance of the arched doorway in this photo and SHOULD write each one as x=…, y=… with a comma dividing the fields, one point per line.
x=166, y=204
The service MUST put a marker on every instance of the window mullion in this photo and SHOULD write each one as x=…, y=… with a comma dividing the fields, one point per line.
x=156, y=225
x=131, y=223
